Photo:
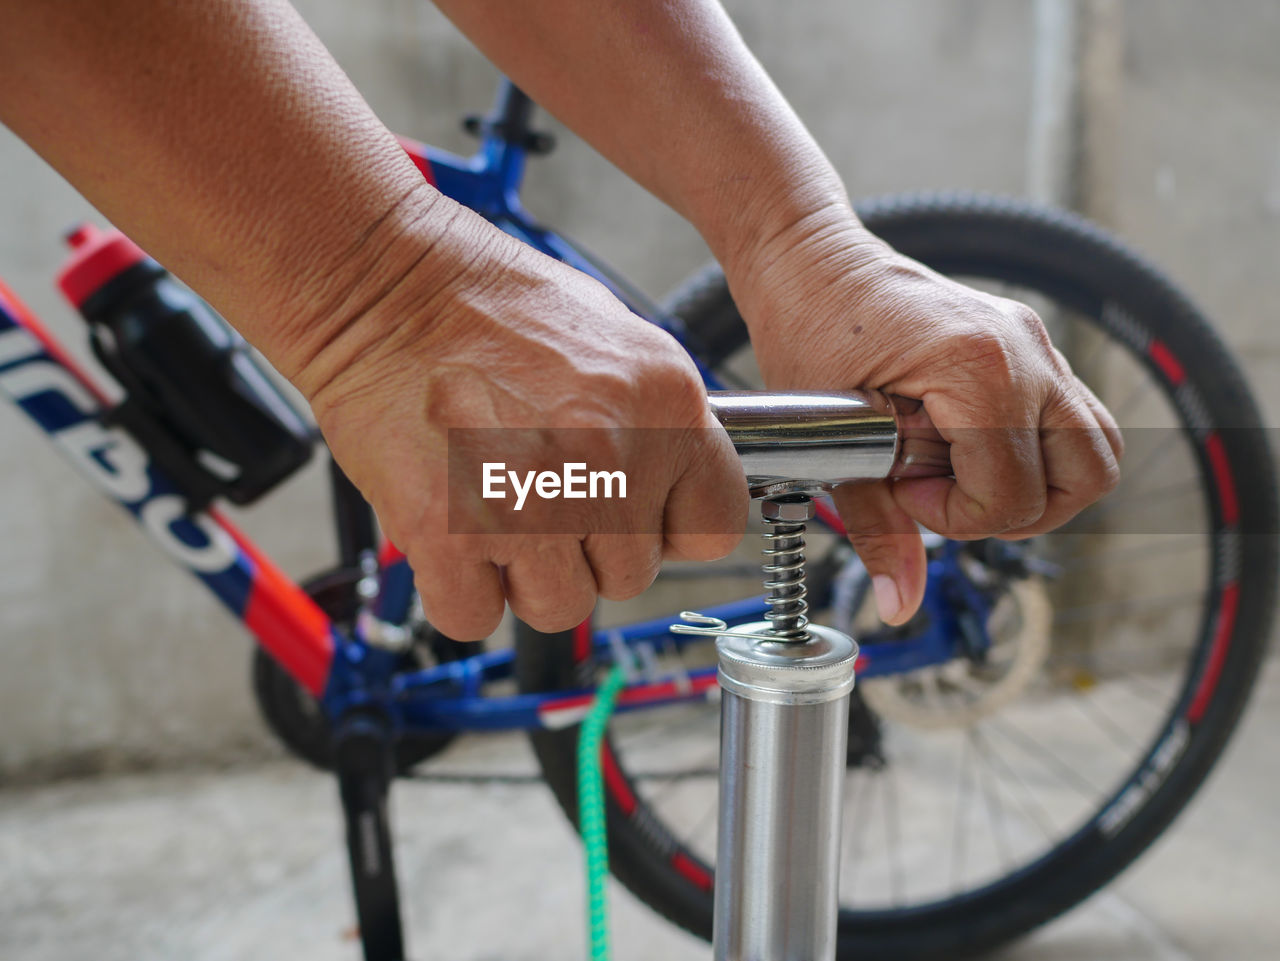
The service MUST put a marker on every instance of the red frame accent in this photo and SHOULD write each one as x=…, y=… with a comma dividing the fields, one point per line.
x=642, y=694
x=389, y=554
x=55, y=350
x=418, y=154
x=288, y=623
x=290, y=626
x=829, y=516
x=582, y=641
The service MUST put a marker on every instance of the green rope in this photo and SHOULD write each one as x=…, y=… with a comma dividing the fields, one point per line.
x=591, y=818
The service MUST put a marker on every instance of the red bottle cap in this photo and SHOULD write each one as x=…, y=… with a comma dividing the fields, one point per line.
x=97, y=257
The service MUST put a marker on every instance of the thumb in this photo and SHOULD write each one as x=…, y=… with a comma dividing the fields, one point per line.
x=890, y=546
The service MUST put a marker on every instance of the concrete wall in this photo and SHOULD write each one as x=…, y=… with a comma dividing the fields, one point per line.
x=109, y=656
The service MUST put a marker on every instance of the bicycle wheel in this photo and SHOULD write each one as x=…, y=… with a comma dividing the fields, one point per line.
x=983, y=800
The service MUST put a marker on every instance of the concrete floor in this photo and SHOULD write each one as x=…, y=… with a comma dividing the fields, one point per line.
x=247, y=863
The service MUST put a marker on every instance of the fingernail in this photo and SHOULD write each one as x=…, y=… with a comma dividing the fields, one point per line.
x=888, y=600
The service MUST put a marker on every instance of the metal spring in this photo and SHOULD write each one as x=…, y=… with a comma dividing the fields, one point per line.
x=785, y=580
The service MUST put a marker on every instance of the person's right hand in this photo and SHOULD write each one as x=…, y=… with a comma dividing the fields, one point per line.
x=517, y=340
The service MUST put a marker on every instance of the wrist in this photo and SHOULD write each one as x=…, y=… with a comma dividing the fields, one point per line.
x=744, y=218
x=381, y=291
x=790, y=267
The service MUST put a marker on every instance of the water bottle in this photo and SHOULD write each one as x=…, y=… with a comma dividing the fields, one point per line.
x=196, y=398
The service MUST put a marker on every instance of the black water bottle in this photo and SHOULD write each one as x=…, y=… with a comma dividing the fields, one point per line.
x=195, y=396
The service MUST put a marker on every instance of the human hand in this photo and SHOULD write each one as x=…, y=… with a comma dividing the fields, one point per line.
x=830, y=306
x=517, y=340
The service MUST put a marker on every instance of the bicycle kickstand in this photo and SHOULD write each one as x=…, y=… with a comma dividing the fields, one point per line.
x=363, y=763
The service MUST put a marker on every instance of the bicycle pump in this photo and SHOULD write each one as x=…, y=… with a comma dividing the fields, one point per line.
x=785, y=682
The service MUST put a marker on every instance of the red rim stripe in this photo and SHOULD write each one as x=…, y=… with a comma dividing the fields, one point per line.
x=1167, y=363
x=1222, y=476
x=692, y=870
x=617, y=784
x=1217, y=654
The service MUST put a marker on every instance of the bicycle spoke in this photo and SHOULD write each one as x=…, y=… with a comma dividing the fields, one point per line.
x=962, y=808
x=1113, y=505
x=1034, y=811
x=1152, y=457
x=1095, y=557
x=1147, y=691
x=1125, y=608
x=1090, y=708
x=706, y=820
x=662, y=730
x=893, y=836
x=674, y=782
x=995, y=810
x=1049, y=759
x=675, y=776
x=1122, y=410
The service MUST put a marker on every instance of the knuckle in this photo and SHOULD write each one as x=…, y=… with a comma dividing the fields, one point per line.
x=990, y=356
x=1029, y=322
x=678, y=387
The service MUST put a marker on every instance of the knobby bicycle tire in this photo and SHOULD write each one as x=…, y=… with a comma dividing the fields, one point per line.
x=1136, y=309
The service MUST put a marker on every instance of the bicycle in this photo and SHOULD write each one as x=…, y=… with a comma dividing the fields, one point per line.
x=351, y=676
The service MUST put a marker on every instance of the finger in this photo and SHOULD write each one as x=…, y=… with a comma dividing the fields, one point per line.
x=462, y=596
x=1103, y=416
x=1099, y=410
x=914, y=421
x=922, y=450
x=890, y=546
x=999, y=475
x=706, y=509
x=549, y=584
x=1080, y=464
x=624, y=565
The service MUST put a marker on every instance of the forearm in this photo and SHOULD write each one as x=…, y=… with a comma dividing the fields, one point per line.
x=226, y=141
x=666, y=90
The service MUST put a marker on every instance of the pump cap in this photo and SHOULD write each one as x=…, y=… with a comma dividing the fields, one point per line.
x=787, y=672
x=98, y=256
